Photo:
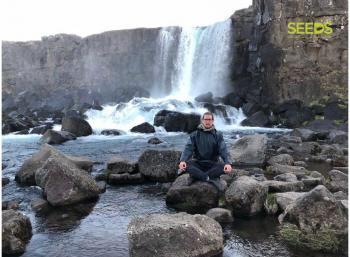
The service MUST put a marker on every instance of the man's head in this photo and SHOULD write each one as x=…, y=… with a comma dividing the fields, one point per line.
x=207, y=119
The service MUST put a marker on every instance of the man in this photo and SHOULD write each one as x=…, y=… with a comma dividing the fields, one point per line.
x=205, y=144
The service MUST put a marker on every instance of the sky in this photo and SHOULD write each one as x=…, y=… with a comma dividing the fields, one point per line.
x=24, y=20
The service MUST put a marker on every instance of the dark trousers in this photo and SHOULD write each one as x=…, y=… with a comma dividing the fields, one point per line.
x=200, y=170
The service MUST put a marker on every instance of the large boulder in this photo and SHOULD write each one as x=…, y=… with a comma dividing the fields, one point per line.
x=220, y=215
x=196, y=198
x=76, y=125
x=249, y=151
x=177, y=121
x=53, y=137
x=258, y=119
x=304, y=134
x=278, y=169
x=175, y=235
x=277, y=202
x=16, y=232
x=143, y=128
x=316, y=220
x=26, y=174
x=246, y=196
x=338, y=181
x=159, y=165
x=64, y=183
x=338, y=137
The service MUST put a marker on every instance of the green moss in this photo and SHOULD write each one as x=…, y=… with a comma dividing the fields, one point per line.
x=222, y=201
x=271, y=199
x=325, y=240
x=338, y=122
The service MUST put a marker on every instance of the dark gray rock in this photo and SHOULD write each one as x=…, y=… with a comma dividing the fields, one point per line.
x=165, y=235
x=159, y=165
x=118, y=165
x=220, y=215
x=64, y=183
x=304, y=134
x=143, y=128
x=283, y=186
x=5, y=181
x=41, y=129
x=246, y=196
x=287, y=177
x=76, y=126
x=16, y=232
x=199, y=197
x=258, y=119
x=26, y=174
x=207, y=97
x=53, y=137
x=154, y=141
x=338, y=137
x=338, y=181
x=10, y=205
x=315, y=220
x=176, y=121
x=125, y=179
x=249, y=151
x=114, y=132
x=284, y=159
x=40, y=205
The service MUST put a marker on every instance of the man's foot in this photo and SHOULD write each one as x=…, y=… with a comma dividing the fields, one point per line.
x=218, y=184
x=190, y=180
x=180, y=172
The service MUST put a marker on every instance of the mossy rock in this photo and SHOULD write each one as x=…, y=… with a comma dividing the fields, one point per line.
x=270, y=204
x=324, y=240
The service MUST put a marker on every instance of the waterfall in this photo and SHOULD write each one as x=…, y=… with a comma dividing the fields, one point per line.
x=188, y=62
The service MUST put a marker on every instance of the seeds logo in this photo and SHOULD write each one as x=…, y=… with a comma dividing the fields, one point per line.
x=309, y=28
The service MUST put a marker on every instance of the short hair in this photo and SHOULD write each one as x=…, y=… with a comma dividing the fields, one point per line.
x=208, y=113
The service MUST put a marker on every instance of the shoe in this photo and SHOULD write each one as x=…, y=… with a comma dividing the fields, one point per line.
x=190, y=180
x=180, y=172
x=218, y=185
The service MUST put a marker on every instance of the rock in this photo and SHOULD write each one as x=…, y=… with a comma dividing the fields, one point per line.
x=282, y=186
x=5, y=181
x=64, y=183
x=159, y=165
x=338, y=137
x=284, y=159
x=40, y=205
x=16, y=232
x=154, y=141
x=277, y=202
x=176, y=121
x=324, y=125
x=339, y=181
x=165, y=187
x=246, y=196
x=318, y=221
x=335, y=111
x=10, y=205
x=284, y=150
x=207, y=97
x=258, y=119
x=26, y=174
x=234, y=100
x=41, y=129
x=125, y=178
x=109, y=132
x=310, y=182
x=291, y=139
x=76, y=126
x=220, y=215
x=304, y=134
x=340, y=195
x=102, y=186
x=287, y=177
x=22, y=132
x=300, y=164
x=56, y=137
x=249, y=151
x=143, y=128
x=196, y=198
x=118, y=165
x=250, y=108
x=278, y=169
x=179, y=234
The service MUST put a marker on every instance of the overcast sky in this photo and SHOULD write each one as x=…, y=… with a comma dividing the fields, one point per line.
x=23, y=20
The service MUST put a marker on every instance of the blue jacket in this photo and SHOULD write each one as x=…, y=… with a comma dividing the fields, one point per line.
x=205, y=146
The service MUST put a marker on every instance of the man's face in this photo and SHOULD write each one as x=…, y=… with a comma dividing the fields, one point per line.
x=207, y=121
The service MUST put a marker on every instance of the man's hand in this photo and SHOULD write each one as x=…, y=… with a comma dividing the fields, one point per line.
x=227, y=168
x=182, y=166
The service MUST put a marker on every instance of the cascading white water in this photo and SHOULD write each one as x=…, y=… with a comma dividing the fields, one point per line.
x=189, y=62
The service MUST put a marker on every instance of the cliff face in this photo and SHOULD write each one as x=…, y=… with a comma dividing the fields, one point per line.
x=272, y=66
x=111, y=63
